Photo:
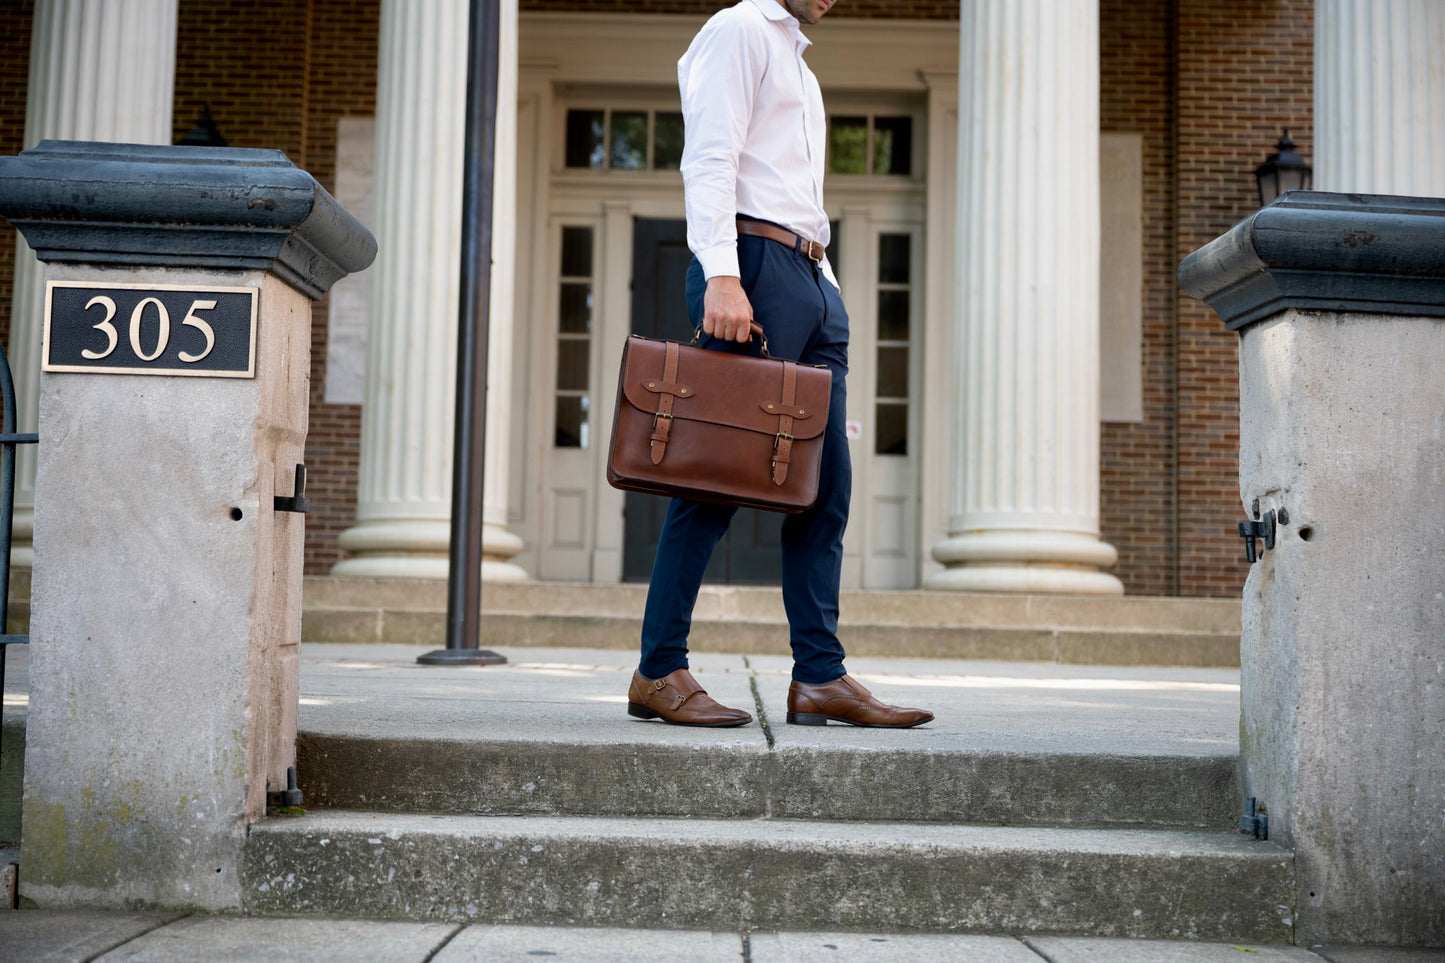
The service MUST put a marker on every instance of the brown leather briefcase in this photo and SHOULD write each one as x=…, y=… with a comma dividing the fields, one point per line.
x=718, y=427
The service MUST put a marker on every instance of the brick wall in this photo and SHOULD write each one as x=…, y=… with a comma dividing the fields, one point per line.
x=246, y=59
x=1245, y=70
x=1136, y=461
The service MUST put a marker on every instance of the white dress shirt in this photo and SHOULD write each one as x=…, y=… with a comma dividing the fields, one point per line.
x=755, y=132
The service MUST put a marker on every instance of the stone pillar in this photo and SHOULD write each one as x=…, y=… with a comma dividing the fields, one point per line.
x=1340, y=304
x=1024, y=514
x=100, y=70
x=1379, y=110
x=403, y=514
x=166, y=613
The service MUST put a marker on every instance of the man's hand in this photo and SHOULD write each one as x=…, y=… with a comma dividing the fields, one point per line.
x=726, y=311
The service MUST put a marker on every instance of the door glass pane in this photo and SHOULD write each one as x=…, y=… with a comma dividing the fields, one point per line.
x=891, y=434
x=629, y=140
x=893, y=315
x=893, y=251
x=893, y=145
x=572, y=358
x=584, y=139
x=574, y=313
x=848, y=145
x=576, y=252
x=667, y=142
x=571, y=422
x=893, y=372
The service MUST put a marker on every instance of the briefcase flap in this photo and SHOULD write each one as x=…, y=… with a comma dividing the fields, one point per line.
x=722, y=388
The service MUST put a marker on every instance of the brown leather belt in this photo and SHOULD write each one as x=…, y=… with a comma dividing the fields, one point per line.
x=813, y=249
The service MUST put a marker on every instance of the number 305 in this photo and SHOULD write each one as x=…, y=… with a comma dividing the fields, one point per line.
x=163, y=337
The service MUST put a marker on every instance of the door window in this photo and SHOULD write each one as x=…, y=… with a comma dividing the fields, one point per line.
x=895, y=312
x=574, y=340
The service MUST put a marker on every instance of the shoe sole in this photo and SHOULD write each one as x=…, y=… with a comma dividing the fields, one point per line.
x=642, y=712
x=818, y=719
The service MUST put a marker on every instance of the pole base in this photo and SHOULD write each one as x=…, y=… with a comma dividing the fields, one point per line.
x=462, y=657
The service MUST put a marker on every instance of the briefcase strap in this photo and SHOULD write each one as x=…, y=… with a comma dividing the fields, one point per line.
x=783, y=443
x=662, y=420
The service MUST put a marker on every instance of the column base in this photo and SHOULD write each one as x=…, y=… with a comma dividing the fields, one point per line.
x=421, y=549
x=1041, y=562
x=498, y=546
x=396, y=548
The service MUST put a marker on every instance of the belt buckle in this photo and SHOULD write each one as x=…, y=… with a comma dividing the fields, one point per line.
x=810, y=246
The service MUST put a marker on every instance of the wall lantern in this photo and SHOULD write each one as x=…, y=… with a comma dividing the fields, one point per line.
x=205, y=133
x=1282, y=171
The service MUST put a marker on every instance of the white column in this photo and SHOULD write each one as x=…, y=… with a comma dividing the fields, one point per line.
x=100, y=70
x=498, y=544
x=404, y=490
x=1024, y=515
x=1379, y=109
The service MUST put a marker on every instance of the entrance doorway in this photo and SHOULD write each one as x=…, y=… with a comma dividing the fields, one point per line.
x=749, y=554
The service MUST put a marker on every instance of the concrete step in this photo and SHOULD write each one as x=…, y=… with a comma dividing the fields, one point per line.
x=750, y=620
x=740, y=874
x=851, y=783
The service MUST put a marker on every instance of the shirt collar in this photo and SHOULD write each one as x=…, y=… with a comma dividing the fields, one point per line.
x=775, y=12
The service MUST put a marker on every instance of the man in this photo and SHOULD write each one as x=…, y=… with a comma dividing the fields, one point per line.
x=752, y=170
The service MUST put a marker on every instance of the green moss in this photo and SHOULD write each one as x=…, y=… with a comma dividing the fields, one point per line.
x=61, y=848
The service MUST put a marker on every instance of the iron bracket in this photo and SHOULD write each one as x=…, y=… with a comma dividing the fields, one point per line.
x=1260, y=528
x=290, y=796
x=1254, y=822
x=298, y=502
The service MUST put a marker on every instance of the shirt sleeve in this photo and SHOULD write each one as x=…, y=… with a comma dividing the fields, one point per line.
x=718, y=78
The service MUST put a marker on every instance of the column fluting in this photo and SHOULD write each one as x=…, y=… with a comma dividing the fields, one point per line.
x=1025, y=476
x=1379, y=102
x=403, y=526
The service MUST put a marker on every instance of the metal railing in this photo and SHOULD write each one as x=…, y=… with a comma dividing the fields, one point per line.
x=9, y=438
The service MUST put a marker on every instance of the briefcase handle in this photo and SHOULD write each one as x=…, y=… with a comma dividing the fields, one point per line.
x=755, y=328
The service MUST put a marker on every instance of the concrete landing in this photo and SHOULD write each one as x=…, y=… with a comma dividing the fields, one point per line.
x=1012, y=744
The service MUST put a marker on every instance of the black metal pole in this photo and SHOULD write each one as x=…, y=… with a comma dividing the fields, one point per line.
x=464, y=581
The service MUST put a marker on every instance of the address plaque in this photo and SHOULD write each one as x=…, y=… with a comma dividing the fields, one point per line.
x=150, y=329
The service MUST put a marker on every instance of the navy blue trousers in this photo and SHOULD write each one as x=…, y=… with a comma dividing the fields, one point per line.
x=804, y=320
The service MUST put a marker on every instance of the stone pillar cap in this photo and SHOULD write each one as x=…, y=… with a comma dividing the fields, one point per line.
x=228, y=208
x=1370, y=253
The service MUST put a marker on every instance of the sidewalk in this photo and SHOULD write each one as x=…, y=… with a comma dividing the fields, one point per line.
x=74, y=936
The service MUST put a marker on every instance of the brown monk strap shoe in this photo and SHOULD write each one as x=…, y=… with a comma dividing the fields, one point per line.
x=678, y=699
x=845, y=700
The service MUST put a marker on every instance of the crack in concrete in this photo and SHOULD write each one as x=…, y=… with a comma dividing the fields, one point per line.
x=758, y=702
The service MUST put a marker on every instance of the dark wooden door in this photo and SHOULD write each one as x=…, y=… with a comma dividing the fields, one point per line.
x=749, y=552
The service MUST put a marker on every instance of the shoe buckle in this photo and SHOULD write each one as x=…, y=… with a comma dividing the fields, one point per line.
x=658, y=685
